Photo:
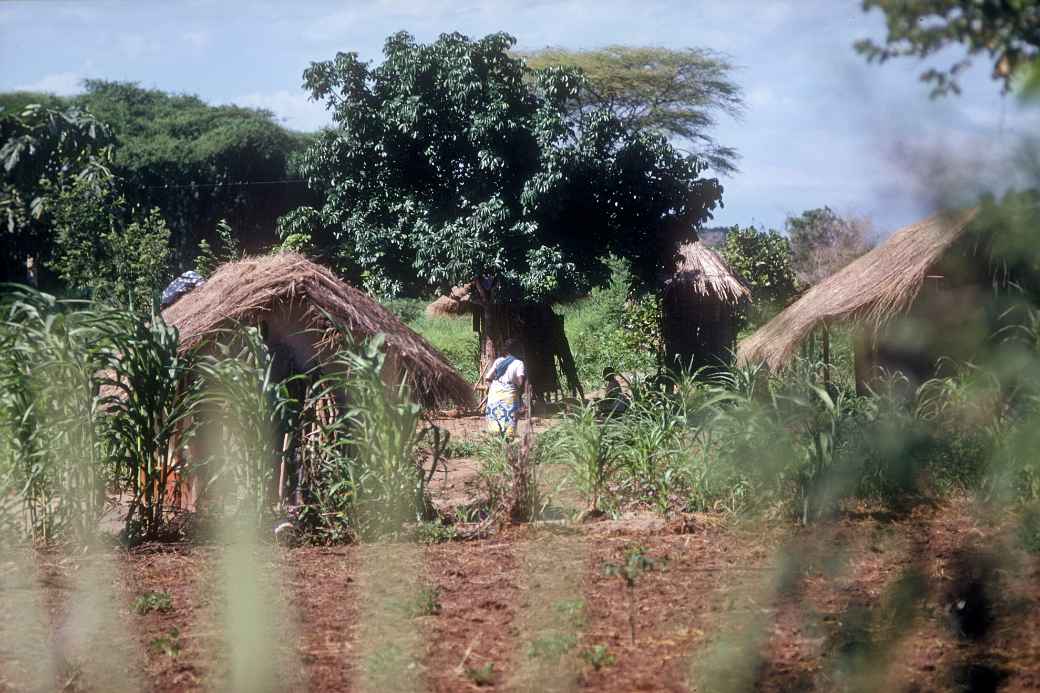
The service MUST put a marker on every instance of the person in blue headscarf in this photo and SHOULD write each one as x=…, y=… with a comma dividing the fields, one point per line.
x=506, y=377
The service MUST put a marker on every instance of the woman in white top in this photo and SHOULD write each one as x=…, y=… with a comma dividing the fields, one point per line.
x=506, y=377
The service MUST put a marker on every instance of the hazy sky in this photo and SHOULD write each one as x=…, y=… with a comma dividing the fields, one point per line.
x=822, y=127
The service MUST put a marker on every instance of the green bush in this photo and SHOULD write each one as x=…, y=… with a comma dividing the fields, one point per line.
x=612, y=328
x=453, y=337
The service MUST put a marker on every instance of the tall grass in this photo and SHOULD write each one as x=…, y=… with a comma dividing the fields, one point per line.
x=153, y=391
x=365, y=464
x=740, y=441
x=53, y=457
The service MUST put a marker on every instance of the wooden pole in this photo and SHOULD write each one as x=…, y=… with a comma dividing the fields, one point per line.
x=827, y=357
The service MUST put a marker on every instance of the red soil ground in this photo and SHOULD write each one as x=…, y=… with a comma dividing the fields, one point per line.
x=861, y=602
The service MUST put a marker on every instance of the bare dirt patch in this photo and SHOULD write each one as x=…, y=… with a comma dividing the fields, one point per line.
x=792, y=608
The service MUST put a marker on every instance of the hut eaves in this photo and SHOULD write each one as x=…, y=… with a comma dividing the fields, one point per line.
x=244, y=292
x=872, y=289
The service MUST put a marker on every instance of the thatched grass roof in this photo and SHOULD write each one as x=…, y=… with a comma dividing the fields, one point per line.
x=244, y=292
x=873, y=289
x=454, y=303
x=703, y=272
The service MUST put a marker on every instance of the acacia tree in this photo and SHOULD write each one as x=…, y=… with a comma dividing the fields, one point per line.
x=1008, y=31
x=454, y=162
x=677, y=93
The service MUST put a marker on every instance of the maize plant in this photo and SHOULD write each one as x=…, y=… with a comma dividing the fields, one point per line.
x=254, y=411
x=151, y=395
x=54, y=454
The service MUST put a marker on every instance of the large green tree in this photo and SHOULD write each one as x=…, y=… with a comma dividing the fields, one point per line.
x=1007, y=31
x=453, y=162
x=762, y=258
x=198, y=163
x=677, y=93
x=106, y=250
x=44, y=151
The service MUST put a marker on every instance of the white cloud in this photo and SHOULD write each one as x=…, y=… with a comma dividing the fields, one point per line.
x=294, y=109
x=60, y=83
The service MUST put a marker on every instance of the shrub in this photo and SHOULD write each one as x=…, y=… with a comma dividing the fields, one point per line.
x=611, y=327
x=366, y=470
x=153, y=601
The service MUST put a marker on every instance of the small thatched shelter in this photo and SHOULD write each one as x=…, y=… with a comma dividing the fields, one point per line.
x=700, y=308
x=923, y=270
x=455, y=303
x=292, y=299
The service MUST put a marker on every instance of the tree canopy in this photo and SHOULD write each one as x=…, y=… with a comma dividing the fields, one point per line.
x=822, y=242
x=1008, y=31
x=44, y=151
x=762, y=258
x=676, y=93
x=199, y=163
x=101, y=177
x=453, y=160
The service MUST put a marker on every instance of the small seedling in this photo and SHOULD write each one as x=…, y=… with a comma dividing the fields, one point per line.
x=435, y=533
x=461, y=448
x=573, y=610
x=384, y=666
x=598, y=656
x=636, y=563
x=552, y=645
x=169, y=644
x=482, y=676
x=426, y=603
x=153, y=601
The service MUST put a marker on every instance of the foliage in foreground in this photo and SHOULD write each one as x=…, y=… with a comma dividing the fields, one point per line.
x=741, y=442
x=100, y=412
x=96, y=404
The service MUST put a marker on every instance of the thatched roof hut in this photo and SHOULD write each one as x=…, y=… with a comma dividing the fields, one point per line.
x=871, y=290
x=701, y=303
x=292, y=299
x=453, y=304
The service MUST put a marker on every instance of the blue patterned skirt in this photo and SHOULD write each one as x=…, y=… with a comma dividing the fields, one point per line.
x=503, y=407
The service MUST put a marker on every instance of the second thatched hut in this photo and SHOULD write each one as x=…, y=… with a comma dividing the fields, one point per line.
x=913, y=299
x=700, y=310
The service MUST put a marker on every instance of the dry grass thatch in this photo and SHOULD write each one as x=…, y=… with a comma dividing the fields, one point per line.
x=255, y=289
x=872, y=289
x=702, y=271
x=456, y=302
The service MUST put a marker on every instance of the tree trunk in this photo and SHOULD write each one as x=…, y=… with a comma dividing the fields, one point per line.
x=541, y=335
x=494, y=330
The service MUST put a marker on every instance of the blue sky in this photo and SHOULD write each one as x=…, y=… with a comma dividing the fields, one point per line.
x=822, y=127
